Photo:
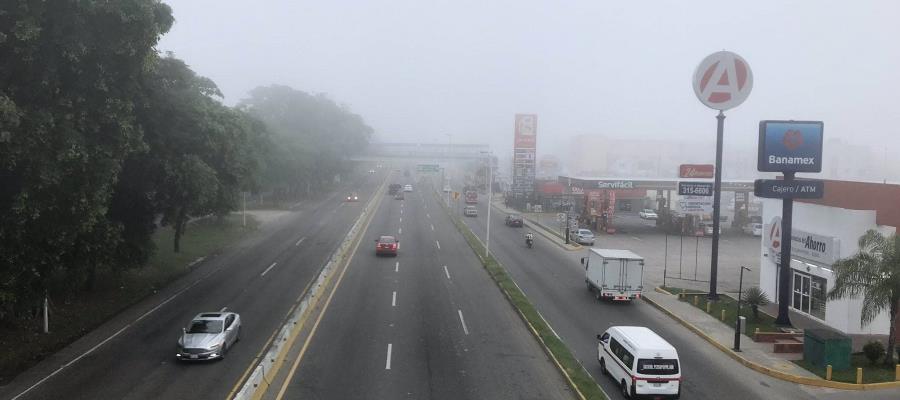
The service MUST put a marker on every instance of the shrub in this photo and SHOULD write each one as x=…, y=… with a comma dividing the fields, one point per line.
x=755, y=297
x=873, y=351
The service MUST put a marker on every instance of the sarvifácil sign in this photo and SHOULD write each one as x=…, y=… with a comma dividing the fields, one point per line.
x=695, y=188
x=790, y=146
x=780, y=189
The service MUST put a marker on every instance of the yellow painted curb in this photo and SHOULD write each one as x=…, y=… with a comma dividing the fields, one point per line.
x=663, y=291
x=769, y=371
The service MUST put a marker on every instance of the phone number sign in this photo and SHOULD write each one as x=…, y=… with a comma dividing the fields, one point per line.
x=695, y=188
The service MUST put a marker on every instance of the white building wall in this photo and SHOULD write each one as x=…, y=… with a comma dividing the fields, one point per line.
x=845, y=225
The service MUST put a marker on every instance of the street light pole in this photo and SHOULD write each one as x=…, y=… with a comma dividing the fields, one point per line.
x=737, y=318
x=487, y=241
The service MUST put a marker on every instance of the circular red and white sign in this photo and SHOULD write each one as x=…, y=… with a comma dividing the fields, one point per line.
x=723, y=80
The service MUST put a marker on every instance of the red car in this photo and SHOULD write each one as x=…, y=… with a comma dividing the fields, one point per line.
x=386, y=245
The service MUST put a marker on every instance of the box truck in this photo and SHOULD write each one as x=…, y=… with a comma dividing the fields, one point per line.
x=614, y=274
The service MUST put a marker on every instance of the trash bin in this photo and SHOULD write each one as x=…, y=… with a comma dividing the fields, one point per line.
x=823, y=347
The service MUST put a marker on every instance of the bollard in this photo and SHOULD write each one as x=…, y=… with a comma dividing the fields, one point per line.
x=859, y=376
x=828, y=372
x=723, y=315
x=708, y=304
x=695, y=299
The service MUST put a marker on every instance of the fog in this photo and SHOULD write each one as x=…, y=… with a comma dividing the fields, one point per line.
x=423, y=70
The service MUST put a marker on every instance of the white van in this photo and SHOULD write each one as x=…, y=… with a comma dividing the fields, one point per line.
x=642, y=363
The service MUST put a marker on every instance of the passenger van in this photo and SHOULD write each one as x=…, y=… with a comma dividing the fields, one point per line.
x=641, y=362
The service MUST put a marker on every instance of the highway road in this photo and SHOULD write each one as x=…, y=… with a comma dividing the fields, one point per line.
x=132, y=356
x=427, y=324
x=553, y=279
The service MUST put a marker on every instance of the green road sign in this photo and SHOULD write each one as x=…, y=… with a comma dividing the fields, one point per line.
x=428, y=168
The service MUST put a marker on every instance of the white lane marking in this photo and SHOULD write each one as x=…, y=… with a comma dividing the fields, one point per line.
x=397, y=267
x=401, y=220
x=268, y=269
x=223, y=309
x=446, y=272
x=400, y=231
x=637, y=238
x=394, y=300
x=401, y=211
x=432, y=226
x=300, y=241
x=387, y=364
x=428, y=215
x=463, y=321
x=438, y=244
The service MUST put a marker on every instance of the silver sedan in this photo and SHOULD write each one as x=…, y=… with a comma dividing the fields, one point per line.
x=209, y=336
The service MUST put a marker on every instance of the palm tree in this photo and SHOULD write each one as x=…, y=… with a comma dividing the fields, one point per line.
x=874, y=273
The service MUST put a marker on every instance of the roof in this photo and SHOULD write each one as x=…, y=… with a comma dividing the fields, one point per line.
x=211, y=315
x=644, y=337
x=881, y=197
x=614, y=253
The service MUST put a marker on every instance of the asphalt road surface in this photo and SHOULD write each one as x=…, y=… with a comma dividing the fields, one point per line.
x=427, y=324
x=553, y=279
x=133, y=355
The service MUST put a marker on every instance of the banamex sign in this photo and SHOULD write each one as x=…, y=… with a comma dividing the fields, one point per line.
x=723, y=80
x=696, y=171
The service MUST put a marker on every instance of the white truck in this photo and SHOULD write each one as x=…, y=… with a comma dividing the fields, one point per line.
x=616, y=275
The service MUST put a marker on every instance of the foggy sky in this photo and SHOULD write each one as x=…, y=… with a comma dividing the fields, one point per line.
x=418, y=70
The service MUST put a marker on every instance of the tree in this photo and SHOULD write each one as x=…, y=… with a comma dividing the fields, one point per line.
x=69, y=74
x=874, y=273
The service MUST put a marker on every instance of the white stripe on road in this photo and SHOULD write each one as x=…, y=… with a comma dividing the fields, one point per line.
x=446, y=272
x=401, y=220
x=300, y=241
x=463, y=321
x=432, y=227
x=223, y=309
x=400, y=231
x=428, y=215
x=636, y=238
x=268, y=269
x=397, y=267
x=401, y=210
x=387, y=364
x=438, y=244
x=394, y=300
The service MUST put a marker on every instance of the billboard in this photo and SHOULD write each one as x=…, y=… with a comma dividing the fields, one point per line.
x=790, y=146
x=524, y=157
x=696, y=170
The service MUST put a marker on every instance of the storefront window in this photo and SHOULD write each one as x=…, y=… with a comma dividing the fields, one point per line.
x=817, y=297
x=809, y=294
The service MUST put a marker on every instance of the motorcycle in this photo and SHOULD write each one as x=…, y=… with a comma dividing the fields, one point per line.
x=529, y=242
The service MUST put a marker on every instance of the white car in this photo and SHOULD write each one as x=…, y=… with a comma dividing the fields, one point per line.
x=641, y=363
x=209, y=336
x=584, y=236
x=447, y=189
x=648, y=214
x=371, y=171
x=407, y=188
x=753, y=228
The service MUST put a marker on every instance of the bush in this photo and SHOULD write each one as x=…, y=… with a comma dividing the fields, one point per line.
x=755, y=297
x=873, y=351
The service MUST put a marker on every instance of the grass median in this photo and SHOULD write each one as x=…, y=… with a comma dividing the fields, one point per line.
x=74, y=313
x=582, y=381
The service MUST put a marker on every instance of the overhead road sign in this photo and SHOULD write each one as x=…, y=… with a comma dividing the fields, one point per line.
x=723, y=80
x=781, y=189
x=428, y=168
x=695, y=188
x=790, y=146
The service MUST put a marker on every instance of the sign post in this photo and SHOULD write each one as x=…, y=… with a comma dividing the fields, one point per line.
x=722, y=81
x=788, y=147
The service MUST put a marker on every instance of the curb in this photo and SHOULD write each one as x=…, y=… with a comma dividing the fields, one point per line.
x=766, y=370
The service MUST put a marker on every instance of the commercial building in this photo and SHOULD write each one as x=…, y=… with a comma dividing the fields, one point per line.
x=824, y=231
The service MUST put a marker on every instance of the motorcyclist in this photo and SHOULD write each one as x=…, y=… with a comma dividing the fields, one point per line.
x=529, y=239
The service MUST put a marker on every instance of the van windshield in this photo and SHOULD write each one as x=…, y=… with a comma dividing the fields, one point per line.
x=657, y=367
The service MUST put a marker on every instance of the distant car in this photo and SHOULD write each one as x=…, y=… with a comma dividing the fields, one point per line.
x=446, y=188
x=470, y=211
x=398, y=196
x=584, y=236
x=708, y=230
x=371, y=171
x=353, y=197
x=386, y=245
x=648, y=214
x=394, y=188
x=407, y=188
x=514, y=220
x=753, y=228
x=209, y=336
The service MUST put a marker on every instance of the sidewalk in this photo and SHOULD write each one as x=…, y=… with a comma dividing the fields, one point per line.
x=541, y=229
x=759, y=357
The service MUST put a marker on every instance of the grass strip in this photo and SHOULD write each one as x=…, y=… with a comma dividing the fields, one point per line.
x=582, y=381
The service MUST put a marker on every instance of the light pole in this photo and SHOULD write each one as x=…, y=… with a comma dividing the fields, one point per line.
x=737, y=318
x=449, y=155
x=487, y=240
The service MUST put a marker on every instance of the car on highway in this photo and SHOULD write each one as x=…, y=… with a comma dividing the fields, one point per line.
x=353, y=197
x=394, y=188
x=584, y=236
x=470, y=211
x=514, y=220
x=708, y=229
x=407, y=188
x=209, y=336
x=386, y=245
x=648, y=213
x=753, y=228
x=642, y=363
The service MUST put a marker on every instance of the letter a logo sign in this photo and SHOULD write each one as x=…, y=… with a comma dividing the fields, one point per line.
x=723, y=80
